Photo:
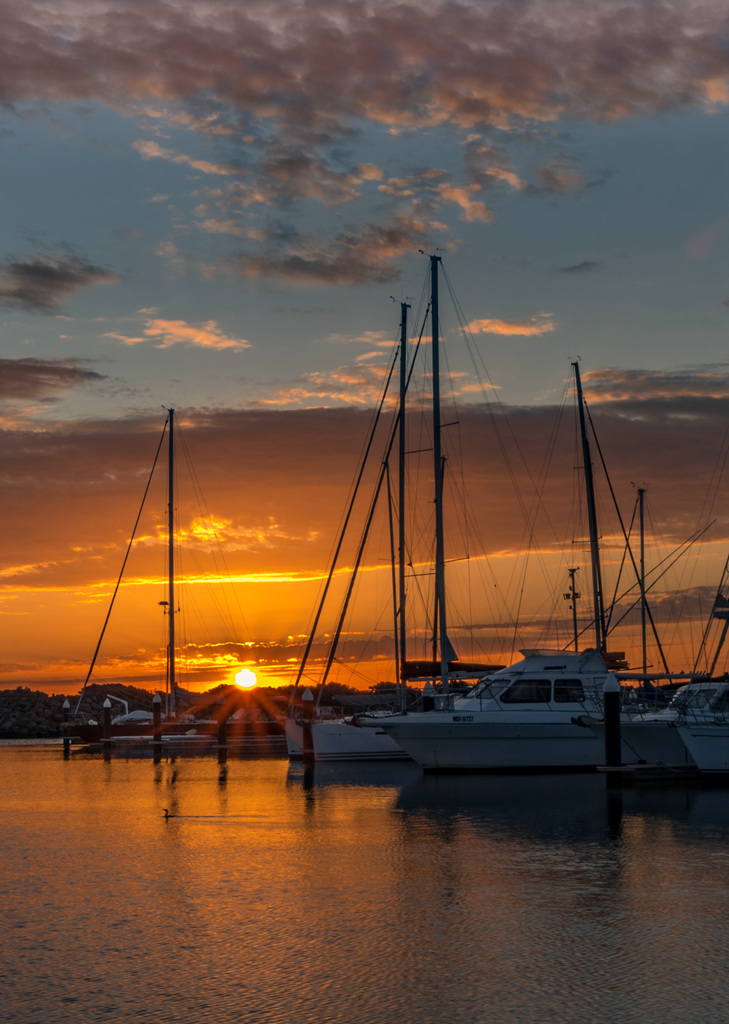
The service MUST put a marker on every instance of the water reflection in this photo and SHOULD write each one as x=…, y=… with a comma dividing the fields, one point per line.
x=365, y=894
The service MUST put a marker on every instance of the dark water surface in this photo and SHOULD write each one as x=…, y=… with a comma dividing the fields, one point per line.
x=361, y=895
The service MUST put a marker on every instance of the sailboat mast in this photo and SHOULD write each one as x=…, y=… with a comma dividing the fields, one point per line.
x=401, y=502
x=641, y=498
x=438, y=476
x=597, y=604
x=171, y=564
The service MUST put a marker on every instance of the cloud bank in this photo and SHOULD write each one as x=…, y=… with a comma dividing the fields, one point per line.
x=317, y=66
x=275, y=97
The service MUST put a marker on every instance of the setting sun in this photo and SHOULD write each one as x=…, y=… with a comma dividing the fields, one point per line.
x=246, y=679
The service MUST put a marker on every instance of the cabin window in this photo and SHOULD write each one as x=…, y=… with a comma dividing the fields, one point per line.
x=722, y=702
x=486, y=688
x=527, y=691
x=568, y=691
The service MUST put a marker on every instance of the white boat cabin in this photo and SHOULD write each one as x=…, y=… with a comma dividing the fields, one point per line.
x=543, y=680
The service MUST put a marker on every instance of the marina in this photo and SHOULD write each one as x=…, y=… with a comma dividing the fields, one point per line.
x=260, y=891
x=364, y=564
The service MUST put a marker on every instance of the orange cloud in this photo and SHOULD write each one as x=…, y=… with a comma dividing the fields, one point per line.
x=358, y=386
x=541, y=324
x=472, y=209
x=220, y=227
x=178, y=332
x=149, y=150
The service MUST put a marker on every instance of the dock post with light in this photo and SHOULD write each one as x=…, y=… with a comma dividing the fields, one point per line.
x=106, y=729
x=66, y=730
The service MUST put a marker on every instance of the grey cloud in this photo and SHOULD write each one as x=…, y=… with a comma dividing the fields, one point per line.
x=349, y=258
x=586, y=267
x=23, y=379
x=42, y=283
x=691, y=386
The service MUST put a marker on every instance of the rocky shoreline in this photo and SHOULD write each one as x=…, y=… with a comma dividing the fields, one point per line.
x=30, y=714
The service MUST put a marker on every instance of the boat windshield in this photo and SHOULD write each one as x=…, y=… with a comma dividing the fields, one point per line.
x=688, y=698
x=490, y=687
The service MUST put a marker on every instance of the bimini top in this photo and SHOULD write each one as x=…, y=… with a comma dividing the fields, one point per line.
x=538, y=659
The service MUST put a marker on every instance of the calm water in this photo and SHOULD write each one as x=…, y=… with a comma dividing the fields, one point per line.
x=360, y=895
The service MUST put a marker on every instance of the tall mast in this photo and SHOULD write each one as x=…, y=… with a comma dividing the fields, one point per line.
x=573, y=596
x=438, y=476
x=401, y=501
x=171, y=563
x=597, y=604
x=641, y=498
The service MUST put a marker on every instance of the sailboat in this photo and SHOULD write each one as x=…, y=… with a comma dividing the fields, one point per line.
x=701, y=709
x=545, y=711
x=344, y=739
x=140, y=723
x=341, y=739
x=178, y=721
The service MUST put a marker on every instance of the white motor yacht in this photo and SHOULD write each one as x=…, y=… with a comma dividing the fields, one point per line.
x=542, y=712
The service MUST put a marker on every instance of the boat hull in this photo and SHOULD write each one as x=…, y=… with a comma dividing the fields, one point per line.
x=339, y=740
x=438, y=742
x=294, y=739
x=708, y=744
x=342, y=741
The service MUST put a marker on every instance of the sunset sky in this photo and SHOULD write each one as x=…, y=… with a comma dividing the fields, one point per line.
x=212, y=205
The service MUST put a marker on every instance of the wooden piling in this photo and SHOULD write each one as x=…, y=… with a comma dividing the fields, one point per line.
x=66, y=730
x=157, y=728
x=223, y=714
x=307, y=717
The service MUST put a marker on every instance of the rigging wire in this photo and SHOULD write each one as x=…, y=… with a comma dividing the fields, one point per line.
x=627, y=543
x=536, y=504
x=340, y=541
x=121, y=573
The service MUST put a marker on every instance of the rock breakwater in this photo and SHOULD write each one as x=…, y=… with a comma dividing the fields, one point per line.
x=32, y=714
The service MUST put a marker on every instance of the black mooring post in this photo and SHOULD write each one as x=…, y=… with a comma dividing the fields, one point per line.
x=157, y=718
x=157, y=728
x=611, y=704
x=307, y=712
x=223, y=714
